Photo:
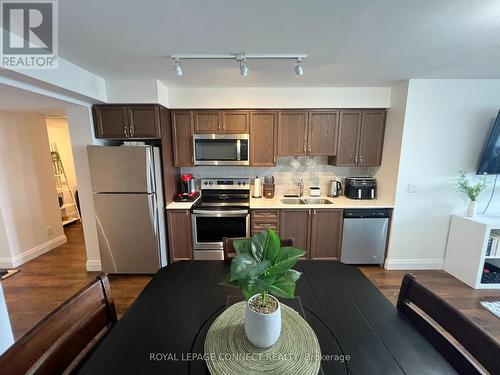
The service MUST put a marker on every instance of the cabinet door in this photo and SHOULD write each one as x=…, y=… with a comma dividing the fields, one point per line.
x=235, y=122
x=262, y=138
x=179, y=235
x=322, y=134
x=110, y=121
x=295, y=224
x=182, y=135
x=347, y=145
x=144, y=121
x=292, y=133
x=371, y=140
x=326, y=234
x=207, y=122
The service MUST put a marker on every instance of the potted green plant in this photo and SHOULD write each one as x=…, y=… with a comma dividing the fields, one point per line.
x=472, y=191
x=262, y=269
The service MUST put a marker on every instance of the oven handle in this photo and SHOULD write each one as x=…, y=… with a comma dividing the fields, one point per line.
x=221, y=213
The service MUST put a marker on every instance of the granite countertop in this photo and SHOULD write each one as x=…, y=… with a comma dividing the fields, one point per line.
x=275, y=203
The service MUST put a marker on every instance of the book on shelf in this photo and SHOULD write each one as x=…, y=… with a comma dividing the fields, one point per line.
x=492, y=249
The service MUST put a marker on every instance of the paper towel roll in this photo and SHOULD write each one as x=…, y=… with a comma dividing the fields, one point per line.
x=257, y=188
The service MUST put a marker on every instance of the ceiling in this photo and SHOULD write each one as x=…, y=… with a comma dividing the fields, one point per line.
x=349, y=42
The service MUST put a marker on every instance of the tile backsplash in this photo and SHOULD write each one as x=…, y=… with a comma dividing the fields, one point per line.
x=313, y=170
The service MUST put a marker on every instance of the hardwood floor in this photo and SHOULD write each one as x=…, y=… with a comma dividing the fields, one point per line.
x=47, y=281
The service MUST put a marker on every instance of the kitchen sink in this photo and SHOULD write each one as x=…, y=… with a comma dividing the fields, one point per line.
x=305, y=201
x=292, y=201
x=317, y=201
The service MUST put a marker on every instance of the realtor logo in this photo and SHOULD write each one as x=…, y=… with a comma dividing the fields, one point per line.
x=29, y=34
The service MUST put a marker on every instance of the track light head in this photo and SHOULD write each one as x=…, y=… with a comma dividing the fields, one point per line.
x=177, y=67
x=243, y=67
x=299, y=67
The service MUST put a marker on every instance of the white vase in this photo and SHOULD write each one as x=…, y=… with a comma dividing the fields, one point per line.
x=262, y=330
x=471, y=210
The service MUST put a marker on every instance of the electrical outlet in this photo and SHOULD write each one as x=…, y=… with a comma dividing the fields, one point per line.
x=412, y=188
x=49, y=230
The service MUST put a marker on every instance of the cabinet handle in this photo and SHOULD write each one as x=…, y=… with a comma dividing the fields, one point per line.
x=187, y=213
x=361, y=159
x=309, y=148
x=314, y=212
x=125, y=130
x=305, y=147
x=356, y=159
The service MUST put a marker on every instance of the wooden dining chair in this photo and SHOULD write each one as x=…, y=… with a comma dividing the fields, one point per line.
x=444, y=326
x=61, y=342
x=230, y=252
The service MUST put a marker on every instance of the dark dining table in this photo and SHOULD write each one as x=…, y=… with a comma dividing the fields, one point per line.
x=358, y=329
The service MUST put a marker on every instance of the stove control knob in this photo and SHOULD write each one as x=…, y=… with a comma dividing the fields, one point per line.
x=205, y=183
x=239, y=182
x=210, y=183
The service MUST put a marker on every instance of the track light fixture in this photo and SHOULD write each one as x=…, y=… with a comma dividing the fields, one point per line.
x=242, y=59
x=177, y=66
x=243, y=65
x=299, y=67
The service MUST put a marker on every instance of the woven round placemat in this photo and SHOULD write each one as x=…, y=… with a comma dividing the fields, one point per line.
x=228, y=351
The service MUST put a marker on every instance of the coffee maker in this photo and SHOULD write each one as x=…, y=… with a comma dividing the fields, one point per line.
x=187, y=189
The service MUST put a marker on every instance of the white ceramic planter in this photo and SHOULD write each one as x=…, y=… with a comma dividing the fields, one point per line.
x=471, y=210
x=262, y=330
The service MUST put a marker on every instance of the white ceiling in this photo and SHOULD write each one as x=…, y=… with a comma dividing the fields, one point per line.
x=349, y=42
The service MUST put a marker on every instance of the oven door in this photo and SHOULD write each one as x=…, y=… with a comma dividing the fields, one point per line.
x=221, y=149
x=210, y=226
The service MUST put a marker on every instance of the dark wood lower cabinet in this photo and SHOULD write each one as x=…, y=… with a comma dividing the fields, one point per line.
x=180, y=243
x=316, y=231
x=326, y=234
x=295, y=224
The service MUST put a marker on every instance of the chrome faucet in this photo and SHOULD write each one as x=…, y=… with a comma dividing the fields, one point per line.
x=300, y=186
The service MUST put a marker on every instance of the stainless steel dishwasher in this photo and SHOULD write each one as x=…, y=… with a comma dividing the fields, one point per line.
x=364, y=236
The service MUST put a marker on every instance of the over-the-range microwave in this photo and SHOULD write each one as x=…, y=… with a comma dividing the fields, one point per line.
x=221, y=149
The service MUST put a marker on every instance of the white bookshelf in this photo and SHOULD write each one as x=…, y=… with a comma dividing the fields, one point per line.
x=466, y=249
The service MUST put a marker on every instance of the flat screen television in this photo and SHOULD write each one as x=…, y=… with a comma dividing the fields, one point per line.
x=490, y=160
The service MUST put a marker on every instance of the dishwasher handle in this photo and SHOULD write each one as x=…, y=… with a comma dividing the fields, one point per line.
x=367, y=213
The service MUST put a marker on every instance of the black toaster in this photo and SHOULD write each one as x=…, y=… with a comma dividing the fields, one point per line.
x=360, y=188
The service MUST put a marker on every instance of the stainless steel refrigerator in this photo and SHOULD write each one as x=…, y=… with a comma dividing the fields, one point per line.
x=129, y=209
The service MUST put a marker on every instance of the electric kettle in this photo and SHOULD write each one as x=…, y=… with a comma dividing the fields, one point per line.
x=334, y=188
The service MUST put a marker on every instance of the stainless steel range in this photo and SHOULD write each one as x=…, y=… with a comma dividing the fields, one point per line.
x=222, y=211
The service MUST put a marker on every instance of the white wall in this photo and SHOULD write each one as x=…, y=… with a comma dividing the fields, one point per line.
x=28, y=197
x=58, y=132
x=279, y=97
x=387, y=173
x=80, y=128
x=446, y=124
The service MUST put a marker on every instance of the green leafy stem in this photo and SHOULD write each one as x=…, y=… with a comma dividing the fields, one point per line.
x=262, y=266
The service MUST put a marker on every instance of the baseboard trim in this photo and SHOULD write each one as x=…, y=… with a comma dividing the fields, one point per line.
x=414, y=264
x=6, y=263
x=36, y=251
x=93, y=265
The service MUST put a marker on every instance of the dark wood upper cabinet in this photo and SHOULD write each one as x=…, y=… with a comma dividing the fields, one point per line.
x=262, y=138
x=296, y=224
x=326, y=234
x=347, y=146
x=235, y=122
x=360, y=139
x=182, y=135
x=110, y=121
x=207, y=122
x=322, y=133
x=116, y=121
x=144, y=121
x=179, y=235
x=371, y=139
x=292, y=133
